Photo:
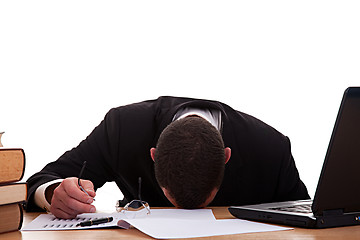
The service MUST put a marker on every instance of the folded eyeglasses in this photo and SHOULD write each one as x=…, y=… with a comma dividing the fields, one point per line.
x=136, y=208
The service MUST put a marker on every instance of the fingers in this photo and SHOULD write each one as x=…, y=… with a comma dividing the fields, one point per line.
x=69, y=200
x=88, y=186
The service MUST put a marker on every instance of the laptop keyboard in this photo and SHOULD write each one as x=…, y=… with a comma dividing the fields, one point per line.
x=301, y=208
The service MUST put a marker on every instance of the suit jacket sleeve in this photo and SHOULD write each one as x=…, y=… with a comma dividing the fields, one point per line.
x=290, y=187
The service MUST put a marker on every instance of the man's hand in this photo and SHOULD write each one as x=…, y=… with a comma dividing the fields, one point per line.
x=68, y=200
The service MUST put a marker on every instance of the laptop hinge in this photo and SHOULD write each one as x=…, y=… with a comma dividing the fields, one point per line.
x=333, y=212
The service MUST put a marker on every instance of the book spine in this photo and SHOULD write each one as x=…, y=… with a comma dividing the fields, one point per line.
x=2, y=149
x=21, y=216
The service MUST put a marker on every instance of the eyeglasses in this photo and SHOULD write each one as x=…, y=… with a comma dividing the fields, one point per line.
x=135, y=208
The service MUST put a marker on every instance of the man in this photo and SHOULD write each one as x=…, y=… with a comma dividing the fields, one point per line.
x=189, y=153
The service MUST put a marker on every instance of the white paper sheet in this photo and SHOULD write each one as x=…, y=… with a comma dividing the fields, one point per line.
x=162, y=228
x=161, y=223
x=49, y=222
x=45, y=222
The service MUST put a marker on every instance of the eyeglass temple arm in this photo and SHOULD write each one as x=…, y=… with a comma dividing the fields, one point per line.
x=139, y=192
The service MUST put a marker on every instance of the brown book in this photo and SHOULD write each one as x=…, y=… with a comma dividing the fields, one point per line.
x=12, y=164
x=13, y=193
x=11, y=217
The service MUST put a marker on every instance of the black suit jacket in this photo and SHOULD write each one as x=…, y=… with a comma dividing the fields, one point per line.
x=261, y=168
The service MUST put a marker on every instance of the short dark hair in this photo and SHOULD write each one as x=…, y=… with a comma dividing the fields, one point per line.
x=190, y=161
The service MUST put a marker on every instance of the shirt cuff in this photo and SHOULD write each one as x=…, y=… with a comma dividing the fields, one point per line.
x=39, y=197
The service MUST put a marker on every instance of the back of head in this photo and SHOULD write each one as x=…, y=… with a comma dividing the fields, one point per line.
x=190, y=161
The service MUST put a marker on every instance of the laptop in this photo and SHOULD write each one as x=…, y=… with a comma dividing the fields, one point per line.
x=337, y=198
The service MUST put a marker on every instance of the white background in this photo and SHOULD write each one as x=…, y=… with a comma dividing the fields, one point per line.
x=64, y=64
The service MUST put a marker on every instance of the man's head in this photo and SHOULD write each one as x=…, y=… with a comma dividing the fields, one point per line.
x=189, y=162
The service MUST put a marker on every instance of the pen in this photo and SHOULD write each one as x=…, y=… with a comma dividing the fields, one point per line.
x=95, y=222
x=80, y=175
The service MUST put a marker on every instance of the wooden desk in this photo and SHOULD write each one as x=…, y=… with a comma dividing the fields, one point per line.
x=220, y=213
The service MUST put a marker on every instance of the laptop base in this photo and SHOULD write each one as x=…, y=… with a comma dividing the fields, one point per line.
x=305, y=221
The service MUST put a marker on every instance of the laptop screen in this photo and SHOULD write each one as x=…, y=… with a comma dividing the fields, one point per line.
x=339, y=184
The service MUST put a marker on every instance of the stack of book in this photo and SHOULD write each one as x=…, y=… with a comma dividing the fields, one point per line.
x=12, y=192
